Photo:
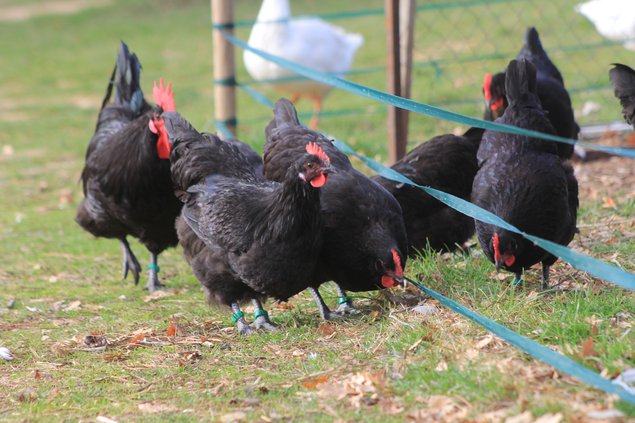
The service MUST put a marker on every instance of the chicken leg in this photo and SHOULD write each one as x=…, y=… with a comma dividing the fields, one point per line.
x=262, y=318
x=317, y=108
x=345, y=303
x=153, y=274
x=545, y=276
x=325, y=312
x=239, y=319
x=130, y=262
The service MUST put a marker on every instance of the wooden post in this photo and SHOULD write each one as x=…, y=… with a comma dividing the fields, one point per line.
x=407, y=13
x=224, y=66
x=396, y=137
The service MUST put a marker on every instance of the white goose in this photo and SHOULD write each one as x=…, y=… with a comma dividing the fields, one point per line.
x=613, y=19
x=308, y=41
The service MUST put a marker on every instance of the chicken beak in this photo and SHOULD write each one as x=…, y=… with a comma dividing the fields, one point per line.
x=498, y=264
x=329, y=169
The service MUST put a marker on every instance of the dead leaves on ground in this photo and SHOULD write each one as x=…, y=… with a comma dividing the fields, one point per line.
x=176, y=333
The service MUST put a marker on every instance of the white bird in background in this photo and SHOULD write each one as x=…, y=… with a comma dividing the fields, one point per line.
x=308, y=41
x=613, y=19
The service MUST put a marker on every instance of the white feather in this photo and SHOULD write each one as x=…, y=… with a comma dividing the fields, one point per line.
x=613, y=19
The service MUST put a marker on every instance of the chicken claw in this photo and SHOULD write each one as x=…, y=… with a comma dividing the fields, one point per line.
x=130, y=262
x=262, y=318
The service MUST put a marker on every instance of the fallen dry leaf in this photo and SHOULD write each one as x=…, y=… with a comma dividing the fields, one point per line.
x=138, y=338
x=588, y=348
x=95, y=341
x=172, y=328
x=525, y=417
x=608, y=203
x=189, y=356
x=37, y=374
x=158, y=295
x=441, y=367
x=149, y=407
x=326, y=330
x=549, y=418
x=484, y=342
x=114, y=357
x=311, y=383
x=237, y=416
x=391, y=406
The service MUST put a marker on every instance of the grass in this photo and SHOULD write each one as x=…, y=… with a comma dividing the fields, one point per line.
x=386, y=362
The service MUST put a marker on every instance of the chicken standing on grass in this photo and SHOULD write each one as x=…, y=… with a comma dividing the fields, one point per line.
x=623, y=80
x=245, y=237
x=553, y=95
x=126, y=177
x=364, y=236
x=523, y=181
x=307, y=41
x=447, y=163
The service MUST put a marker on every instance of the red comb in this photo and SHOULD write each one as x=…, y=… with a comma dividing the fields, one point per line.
x=316, y=150
x=495, y=244
x=487, y=87
x=163, y=96
x=397, y=260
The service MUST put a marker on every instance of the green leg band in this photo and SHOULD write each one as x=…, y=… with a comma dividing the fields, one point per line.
x=237, y=316
x=342, y=300
x=153, y=266
x=259, y=313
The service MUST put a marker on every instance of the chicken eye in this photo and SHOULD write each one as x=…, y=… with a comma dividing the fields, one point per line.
x=309, y=165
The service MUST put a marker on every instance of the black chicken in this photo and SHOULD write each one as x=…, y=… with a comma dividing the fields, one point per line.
x=245, y=237
x=126, y=178
x=523, y=181
x=553, y=95
x=365, y=243
x=447, y=163
x=623, y=80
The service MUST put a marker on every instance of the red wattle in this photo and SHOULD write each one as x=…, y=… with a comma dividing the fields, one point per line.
x=497, y=104
x=319, y=181
x=163, y=147
x=388, y=282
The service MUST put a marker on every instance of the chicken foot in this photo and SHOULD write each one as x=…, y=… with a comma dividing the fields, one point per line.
x=153, y=275
x=239, y=319
x=130, y=262
x=325, y=312
x=262, y=318
x=345, y=303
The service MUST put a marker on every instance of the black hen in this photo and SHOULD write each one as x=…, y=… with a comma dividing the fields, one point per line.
x=447, y=163
x=126, y=178
x=553, y=95
x=365, y=244
x=523, y=181
x=623, y=80
x=246, y=238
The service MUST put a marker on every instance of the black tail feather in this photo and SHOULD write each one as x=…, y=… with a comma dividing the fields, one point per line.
x=284, y=115
x=127, y=80
x=520, y=79
x=532, y=41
